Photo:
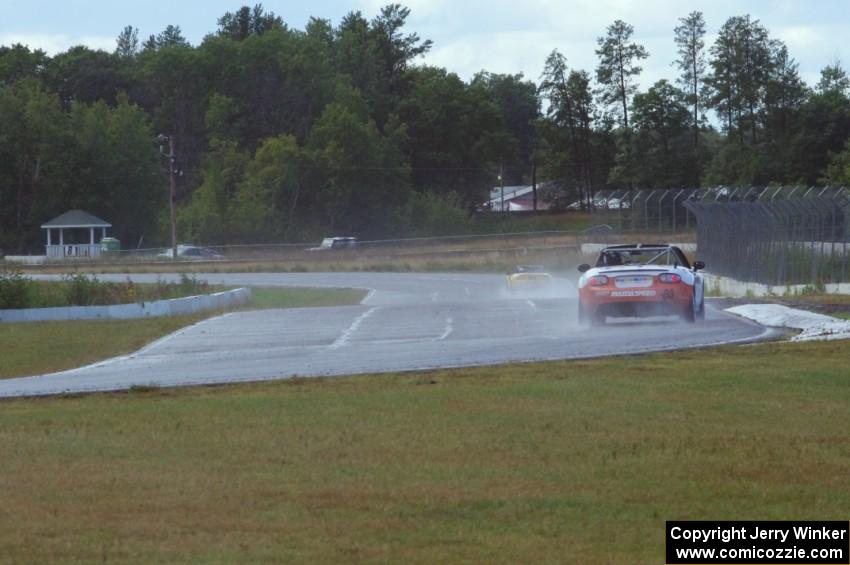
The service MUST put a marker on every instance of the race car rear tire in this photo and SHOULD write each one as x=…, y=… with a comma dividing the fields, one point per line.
x=586, y=318
x=689, y=312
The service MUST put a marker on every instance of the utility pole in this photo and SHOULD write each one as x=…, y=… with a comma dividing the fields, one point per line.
x=534, y=179
x=172, y=164
x=502, y=182
x=172, y=186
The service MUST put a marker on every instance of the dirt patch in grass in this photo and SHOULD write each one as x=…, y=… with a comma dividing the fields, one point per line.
x=549, y=462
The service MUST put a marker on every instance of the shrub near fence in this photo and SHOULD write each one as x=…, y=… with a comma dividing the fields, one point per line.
x=15, y=290
x=20, y=292
x=788, y=237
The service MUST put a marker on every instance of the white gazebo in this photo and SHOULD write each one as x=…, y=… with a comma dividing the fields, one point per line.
x=79, y=235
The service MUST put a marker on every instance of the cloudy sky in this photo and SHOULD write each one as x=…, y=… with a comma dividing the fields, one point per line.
x=497, y=35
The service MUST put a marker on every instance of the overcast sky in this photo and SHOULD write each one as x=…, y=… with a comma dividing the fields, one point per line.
x=497, y=35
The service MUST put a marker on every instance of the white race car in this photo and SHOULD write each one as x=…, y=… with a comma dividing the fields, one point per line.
x=641, y=280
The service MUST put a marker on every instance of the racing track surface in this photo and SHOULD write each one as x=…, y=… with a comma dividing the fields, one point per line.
x=408, y=321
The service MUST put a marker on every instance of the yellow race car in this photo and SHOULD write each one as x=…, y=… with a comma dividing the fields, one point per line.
x=528, y=277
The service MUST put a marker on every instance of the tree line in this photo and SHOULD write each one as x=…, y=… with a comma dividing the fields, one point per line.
x=286, y=134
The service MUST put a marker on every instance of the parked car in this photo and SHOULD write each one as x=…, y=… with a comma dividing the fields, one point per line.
x=192, y=253
x=641, y=280
x=336, y=243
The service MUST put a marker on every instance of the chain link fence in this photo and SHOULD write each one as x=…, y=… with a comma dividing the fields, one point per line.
x=770, y=235
x=665, y=211
x=777, y=236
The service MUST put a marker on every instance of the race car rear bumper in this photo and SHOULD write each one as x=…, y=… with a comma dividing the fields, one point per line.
x=656, y=300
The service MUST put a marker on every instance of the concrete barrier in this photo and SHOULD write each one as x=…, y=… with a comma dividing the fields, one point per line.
x=725, y=286
x=173, y=307
x=26, y=259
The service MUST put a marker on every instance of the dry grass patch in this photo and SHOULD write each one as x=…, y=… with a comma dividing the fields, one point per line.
x=568, y=461
x=495, y=253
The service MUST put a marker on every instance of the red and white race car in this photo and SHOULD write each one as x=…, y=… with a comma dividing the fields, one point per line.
x=641, y=280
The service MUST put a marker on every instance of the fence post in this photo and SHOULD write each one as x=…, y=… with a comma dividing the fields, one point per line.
x=731, y=197
x=646, y=211
x=661, y=209
x=620, y=210
x=676, y=209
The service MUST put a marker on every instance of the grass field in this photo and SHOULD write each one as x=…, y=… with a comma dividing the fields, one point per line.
x=578, y=462
x=297, y=297
x=480, y=262
x=43, y=347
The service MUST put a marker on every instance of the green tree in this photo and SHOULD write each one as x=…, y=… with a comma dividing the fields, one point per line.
x=784, y=93
x=820, y=135
x=366, y=181
x=569, y=117
x=205, y=219
x=741, y=61
x=454, y=135
x=246, y=21
x=661, y=123
x=376, y=56
x=175, y=93
x=395, y=50
x=127, y=43
x=171, y=36
x=822, y=128
x=116, y=168
x=18, y=62
x=34, y=149
x=278, y=81
x=837, y=172
x=519, y=109
x=619, y=59
x=267, y=200
x=84, y=75
x=833, y=78
x=690, y=43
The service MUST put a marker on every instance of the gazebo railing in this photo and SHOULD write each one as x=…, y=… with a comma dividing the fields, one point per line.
x=83, y=250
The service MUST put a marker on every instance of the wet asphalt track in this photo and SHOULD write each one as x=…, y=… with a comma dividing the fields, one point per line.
x=407, y=322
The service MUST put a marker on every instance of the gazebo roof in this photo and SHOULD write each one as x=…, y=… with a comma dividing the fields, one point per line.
x=76, y=219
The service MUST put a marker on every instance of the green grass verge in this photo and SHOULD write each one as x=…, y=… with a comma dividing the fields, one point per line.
x=43, y=347
x=577, y=462
x=297, y=297
x=34, y=348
